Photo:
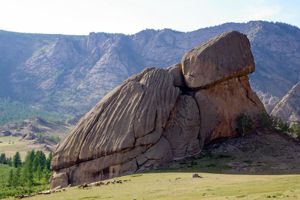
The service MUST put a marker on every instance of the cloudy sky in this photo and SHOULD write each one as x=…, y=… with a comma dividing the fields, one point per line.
x=130, y=16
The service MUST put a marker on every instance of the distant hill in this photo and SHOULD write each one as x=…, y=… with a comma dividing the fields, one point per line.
x=69, y=74
x=29, y=134
x=288, y=108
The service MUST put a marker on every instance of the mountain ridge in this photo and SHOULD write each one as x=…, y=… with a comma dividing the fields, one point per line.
x=68, y=74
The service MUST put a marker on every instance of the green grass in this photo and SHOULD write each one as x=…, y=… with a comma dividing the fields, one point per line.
x=176, y=183
x=220, y=181
x=181, y=186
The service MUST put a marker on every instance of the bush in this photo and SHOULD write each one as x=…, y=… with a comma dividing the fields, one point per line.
x=271, y=122
x=43, y=138
x=265, y=120
x=295, y=129
x=244, y=124
x=54, y=139
x=280, y=125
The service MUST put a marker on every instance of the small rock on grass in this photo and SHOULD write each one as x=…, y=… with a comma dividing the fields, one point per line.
x=197, y=176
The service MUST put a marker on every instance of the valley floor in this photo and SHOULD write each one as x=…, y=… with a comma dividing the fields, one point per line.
x=10, y=145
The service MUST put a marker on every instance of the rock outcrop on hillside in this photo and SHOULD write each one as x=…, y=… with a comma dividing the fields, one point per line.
x=288, y=108
x=162, y=115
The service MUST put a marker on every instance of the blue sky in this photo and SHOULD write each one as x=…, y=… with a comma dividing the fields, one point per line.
x=131, y=16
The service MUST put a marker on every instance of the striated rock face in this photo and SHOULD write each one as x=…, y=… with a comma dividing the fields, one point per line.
x=288, y=108
x=161, y=115
x=127, y=123
x=183, y=128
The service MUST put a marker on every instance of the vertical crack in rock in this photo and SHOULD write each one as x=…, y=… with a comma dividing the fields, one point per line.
x=161, y=115
x=201, y=139
x=244, y=81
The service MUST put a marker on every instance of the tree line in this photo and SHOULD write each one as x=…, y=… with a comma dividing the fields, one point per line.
x=27, y=176
x=245, y=124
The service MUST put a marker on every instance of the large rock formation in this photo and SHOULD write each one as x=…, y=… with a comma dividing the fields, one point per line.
x=161, y=115
x=288, y=108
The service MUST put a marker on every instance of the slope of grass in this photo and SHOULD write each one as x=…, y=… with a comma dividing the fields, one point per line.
x=181, y=186
x=176, y=183
x=258, y=166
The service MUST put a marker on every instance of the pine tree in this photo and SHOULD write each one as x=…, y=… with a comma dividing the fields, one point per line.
x=27, y=177
x=38, y=173
x=27, y=172
x=8, y=162
x=43, y=160
x=17, y=177
x=48, y=162
x=17, y=160
x=39, y=160
x=10, y=182
x=3, y=158
x=46, y=175
x=36, y=162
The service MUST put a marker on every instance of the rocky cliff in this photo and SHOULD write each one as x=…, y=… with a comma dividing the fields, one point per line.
x=288, y=108
x=162, y=115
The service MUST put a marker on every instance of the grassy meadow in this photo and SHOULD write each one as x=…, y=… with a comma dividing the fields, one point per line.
x=257, y=166
x=181, y=186
x=217, y=182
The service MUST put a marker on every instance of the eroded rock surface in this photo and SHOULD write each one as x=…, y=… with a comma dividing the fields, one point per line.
x=221, y=58
x=221, y=104
x=162, y=115
x=127, y=123
x=183, y=128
